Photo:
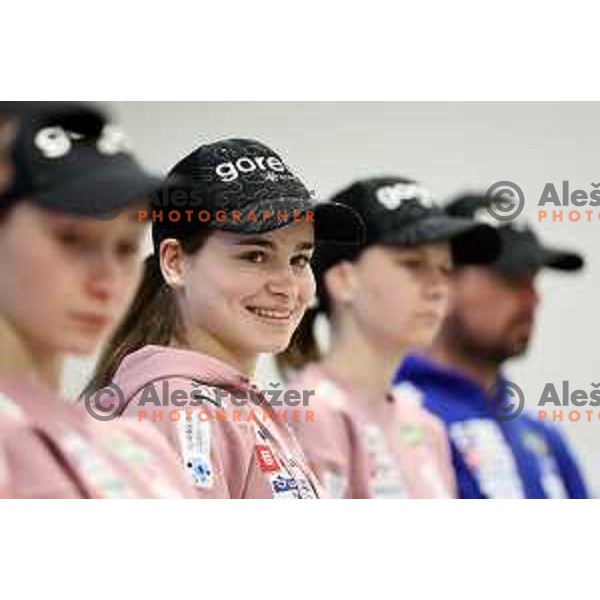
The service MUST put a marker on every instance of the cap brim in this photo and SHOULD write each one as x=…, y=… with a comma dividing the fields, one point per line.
x=333, y=222
x=338, y=223
x=471, y=242
x=102, y=193
x=562, y=261
x=523, y=255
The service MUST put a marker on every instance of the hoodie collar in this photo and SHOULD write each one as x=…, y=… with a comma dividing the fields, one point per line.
x=152, y=363
x=424, y=372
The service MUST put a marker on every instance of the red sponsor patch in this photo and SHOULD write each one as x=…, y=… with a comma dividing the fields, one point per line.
x=266, y=460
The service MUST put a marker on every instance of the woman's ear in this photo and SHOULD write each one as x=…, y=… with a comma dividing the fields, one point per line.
x=172, y=263
x=340, y=281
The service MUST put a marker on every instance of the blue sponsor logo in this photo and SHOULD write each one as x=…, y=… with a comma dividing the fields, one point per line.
x=201, y=470
x=283, y=484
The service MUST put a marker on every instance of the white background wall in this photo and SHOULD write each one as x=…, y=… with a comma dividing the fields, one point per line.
x=449, y=147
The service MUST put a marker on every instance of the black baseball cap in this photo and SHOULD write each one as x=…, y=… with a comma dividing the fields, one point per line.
x=250, y=188
x=523, y=254
x=400, y=212
x=70, y=157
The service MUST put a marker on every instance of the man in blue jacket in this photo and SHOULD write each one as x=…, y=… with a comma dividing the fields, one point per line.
x=497, y=452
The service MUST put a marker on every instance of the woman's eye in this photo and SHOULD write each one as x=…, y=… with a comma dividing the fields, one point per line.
x=447, y=270
x=256, y=257
x=127, y=249
x=71, y=239
x=302, y=261
x=411, y=263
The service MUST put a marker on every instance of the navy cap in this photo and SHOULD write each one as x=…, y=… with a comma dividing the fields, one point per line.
x=400, y=212
x=523, y=254
x=243, y=186
x=69, y=157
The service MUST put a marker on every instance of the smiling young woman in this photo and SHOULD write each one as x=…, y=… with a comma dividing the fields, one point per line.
x=215, y=295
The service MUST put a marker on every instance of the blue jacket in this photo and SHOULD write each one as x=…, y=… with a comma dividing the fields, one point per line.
x=519, y=458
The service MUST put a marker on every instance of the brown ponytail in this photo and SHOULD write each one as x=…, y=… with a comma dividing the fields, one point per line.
x=303, y=348
x=153, y=318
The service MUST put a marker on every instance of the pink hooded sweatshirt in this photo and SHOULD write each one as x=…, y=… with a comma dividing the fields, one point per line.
x=51, y=449
x=365, y=447
x=231, y=442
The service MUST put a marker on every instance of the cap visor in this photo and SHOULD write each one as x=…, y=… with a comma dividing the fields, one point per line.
x=562, y=261
x=102, y=193
x=472, y=242
x=525, y=257
x=338, y=223
x=333, y=222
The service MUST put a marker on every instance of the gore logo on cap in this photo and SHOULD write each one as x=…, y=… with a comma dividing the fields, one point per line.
x=392, y=196
x=231, y=170
x=483, y=215
x=57, y=142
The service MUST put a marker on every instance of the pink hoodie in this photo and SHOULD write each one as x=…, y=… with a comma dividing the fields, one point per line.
x=51, y=449
x=365, y=447
x=237, y=449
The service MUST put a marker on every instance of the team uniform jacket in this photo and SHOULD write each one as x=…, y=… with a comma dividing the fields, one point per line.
x=519, y=458
x=51, y=449
x=365, y=447
x=231, y=442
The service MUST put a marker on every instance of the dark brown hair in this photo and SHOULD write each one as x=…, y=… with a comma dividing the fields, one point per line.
x=7, y=130
x=303, y=348
x=5, y=209
x=153, y=318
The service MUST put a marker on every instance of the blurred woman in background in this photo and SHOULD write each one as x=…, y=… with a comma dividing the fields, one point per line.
x=67, y=275
x=367, y=439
